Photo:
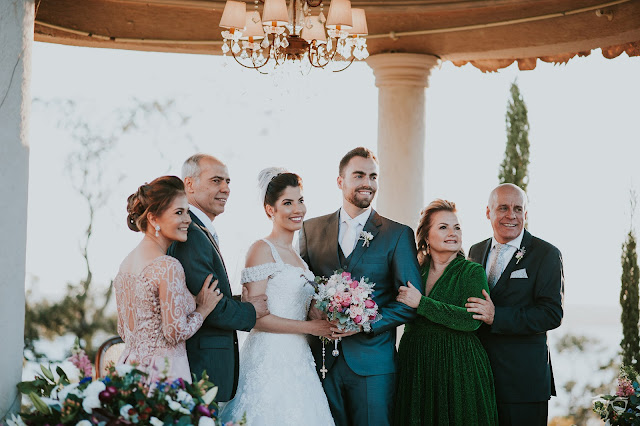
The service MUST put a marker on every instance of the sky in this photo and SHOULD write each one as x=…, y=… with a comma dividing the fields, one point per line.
x=584, y=157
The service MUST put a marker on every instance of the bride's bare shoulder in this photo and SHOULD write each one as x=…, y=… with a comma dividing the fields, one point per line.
x=258, y=254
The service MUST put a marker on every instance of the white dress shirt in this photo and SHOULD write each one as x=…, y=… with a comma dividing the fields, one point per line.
x=359, y=222
x=208, y=223
x=506, y=254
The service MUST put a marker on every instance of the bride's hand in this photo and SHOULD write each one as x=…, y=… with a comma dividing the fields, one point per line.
x=318, y=327
x=209, y=296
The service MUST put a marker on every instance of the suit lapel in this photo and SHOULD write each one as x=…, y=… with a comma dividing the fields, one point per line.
x=329, y=247
x=373, y=226
x=206, y=231
x=506, y=275
x=485, y=253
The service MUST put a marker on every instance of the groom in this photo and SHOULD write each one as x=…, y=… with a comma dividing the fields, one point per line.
x=361, y=381
x=214, y=348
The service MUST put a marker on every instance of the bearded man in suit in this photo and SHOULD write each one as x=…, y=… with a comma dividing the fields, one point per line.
x=214, y=348
x=361, y=380
x=526, y=281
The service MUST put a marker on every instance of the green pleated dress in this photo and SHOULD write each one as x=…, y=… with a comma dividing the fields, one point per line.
x=444, y=376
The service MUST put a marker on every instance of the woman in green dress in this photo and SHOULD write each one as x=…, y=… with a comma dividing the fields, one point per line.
x=444, y=376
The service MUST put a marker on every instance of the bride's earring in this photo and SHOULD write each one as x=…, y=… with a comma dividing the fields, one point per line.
x=428, y=248
x=157, y=230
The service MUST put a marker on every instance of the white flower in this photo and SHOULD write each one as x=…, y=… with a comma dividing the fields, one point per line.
x=124, y=411
x=156, y=421
x=83, y=423
x=210, y=395
x=176, y=406
x=15, y=421
x=331, y=291
x=91, y=399
x=123, y=369
x=184, y=397
x=71, y=389
x=206, y=421
x=366, y=237
x=520, y=254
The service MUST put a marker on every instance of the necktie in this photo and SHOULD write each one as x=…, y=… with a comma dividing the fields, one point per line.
x=349, y=237
x=215, y=237
x=496, y=265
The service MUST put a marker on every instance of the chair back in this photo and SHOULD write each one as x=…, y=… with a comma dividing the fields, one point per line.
x=109, y=352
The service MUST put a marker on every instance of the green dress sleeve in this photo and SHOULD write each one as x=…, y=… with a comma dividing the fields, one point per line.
x=454, y=315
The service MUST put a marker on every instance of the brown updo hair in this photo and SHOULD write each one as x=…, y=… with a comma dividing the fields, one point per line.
x=152, y=198
x=426, y=221
x=278, y=184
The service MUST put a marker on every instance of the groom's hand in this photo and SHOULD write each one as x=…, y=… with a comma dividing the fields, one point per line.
x=336, y=333
x=258, y=302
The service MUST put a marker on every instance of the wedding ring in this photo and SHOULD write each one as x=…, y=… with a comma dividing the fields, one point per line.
x=217, y=291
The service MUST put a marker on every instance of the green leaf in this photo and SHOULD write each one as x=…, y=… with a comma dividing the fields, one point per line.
x=184, y=421
x=64, y=379
x=27, y=387
x=39, y=404
x=47, y=373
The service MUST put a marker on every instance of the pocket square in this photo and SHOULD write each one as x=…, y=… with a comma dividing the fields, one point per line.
x=520, y=273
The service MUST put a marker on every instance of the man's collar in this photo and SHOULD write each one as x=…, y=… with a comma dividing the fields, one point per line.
x=202, y=216
x=360, y=219
x=516, y=242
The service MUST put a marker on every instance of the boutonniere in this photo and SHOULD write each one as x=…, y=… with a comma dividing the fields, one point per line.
x=366, y=237
x=520, y=254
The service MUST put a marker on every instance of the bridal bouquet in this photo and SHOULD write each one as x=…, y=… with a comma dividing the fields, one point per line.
x=347, y=300
x=623, y=408
x=123, y=397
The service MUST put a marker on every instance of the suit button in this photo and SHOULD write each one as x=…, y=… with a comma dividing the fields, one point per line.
x=344, y=267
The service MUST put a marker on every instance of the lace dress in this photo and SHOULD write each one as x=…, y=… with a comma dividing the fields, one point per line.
x=156, y=314
x=278, y=383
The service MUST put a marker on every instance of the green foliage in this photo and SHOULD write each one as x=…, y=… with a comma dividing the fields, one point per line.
x=515, y=166
x=629, y=300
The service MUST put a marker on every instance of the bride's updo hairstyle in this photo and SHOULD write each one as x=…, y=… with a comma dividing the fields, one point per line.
x=426, y=221
x=154, y=198
x=273, y=181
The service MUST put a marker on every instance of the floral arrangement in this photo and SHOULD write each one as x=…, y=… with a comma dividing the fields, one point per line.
x=520, y=254
x=623, y=408
x=347, y=301
x=366, y=237
x=122, y=397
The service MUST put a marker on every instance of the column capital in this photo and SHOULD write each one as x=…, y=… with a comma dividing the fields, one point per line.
x=402, y=69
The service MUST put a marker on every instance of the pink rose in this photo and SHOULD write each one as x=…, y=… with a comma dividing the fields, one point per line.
x=353, y=284
x=330, y=308
x=346, y=302
x=346, y=275
x=369, y=304
x=358, y=319
x=372, y=317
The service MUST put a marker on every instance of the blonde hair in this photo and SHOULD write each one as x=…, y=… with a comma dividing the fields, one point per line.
x=426, y=220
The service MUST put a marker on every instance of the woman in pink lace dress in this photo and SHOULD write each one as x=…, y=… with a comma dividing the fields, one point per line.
x=156, y=311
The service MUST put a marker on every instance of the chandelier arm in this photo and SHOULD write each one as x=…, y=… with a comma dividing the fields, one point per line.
x=350, y=62
x=253, y=67
x=318, y=55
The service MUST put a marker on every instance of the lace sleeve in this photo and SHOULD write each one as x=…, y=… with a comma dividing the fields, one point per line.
x=259, y=272
x=179, y=320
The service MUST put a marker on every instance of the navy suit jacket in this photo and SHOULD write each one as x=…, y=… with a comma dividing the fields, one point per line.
x=214, y=348
x=525, y=308
x=389, y=261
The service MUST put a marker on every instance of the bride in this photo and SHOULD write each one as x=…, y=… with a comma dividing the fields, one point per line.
x=278, y=383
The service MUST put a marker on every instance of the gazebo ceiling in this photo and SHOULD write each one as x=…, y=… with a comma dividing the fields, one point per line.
x=488, y=34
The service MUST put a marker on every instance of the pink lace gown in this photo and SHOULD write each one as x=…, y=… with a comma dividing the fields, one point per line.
x=156, y=315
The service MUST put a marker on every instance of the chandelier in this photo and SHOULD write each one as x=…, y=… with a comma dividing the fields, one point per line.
x=293, y=33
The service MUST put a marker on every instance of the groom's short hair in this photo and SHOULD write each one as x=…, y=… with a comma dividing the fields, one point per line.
x=191, y=166
x=356, y=152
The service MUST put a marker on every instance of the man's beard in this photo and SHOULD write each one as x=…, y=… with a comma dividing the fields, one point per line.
x=361, y=203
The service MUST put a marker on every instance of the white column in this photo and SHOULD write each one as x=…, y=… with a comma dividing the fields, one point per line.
x=402, y=79
x=16, y=39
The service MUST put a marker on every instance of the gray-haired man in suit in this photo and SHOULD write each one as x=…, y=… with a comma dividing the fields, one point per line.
x=527, y=289
x=361, y=381
x=214, y=348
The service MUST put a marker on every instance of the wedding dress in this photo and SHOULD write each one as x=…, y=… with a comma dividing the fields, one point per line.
x=278, y=383
x=156, y=315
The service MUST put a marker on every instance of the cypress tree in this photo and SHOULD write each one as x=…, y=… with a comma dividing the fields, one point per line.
x=514, y=167
x=629, y=298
